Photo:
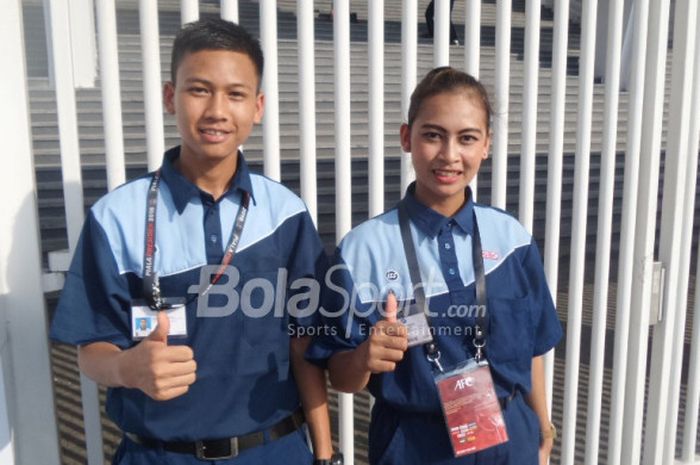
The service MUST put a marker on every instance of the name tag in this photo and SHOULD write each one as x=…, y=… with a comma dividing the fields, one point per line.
x=471, y=409
x=144, y=319
x=413, y=318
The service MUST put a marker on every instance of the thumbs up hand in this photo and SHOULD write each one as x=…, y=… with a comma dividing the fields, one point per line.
x=162, y=372
x=160, y=332
x=387, y=342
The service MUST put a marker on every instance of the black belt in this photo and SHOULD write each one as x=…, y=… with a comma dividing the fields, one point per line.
x=225, y=448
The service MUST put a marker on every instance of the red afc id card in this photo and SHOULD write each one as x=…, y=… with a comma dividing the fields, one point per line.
x=471, y=409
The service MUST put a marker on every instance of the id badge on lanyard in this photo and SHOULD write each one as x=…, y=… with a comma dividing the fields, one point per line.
x=471, y=408
x=417, y=326
x=144, y=319
x=144, y=311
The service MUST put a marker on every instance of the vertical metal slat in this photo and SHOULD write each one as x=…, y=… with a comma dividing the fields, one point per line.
x=604, y=234
x=578, y=236
x=662, y=410
x=692, y=401
x=307, y=105
x=343, y=197
x=153, y=102
x=441, y=33
x=645, y=228
x=472, y=50
x=409, y=37
x=189, y=11
x=529, y=122
x=499, y=173
x=229, y=10
x=270, y=86
x=555, y=163
x=376, y=107
x=111, y=92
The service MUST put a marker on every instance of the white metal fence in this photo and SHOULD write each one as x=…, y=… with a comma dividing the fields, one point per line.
x=22, y=323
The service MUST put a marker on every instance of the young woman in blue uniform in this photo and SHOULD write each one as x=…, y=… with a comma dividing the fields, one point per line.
x=481, y=278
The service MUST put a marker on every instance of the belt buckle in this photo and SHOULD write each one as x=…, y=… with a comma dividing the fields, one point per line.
x=202, y=454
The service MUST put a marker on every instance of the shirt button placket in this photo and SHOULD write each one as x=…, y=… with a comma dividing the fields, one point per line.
x=212, y=230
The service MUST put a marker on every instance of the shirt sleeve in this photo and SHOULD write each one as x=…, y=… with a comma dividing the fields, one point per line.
x=547, y=328
x=346, y=320
x=95, y=302
x=306, y=267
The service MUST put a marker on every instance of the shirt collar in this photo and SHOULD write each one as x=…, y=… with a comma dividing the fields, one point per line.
x=183, y=190
x=431, y=222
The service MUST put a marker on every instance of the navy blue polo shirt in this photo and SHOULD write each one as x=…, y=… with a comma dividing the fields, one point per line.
x=240, y=336
x=370, y=261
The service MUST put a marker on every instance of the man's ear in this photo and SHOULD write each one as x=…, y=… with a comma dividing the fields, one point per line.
x=259, y=107
x=169, y=97
x=405, y=133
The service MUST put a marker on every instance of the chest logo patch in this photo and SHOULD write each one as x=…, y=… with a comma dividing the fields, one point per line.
x=392, y=275
x=490, y=255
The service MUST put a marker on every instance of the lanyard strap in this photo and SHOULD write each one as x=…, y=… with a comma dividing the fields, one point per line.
x=482, y=321
x=411, y=257
x=151, y=286
x=481, y=327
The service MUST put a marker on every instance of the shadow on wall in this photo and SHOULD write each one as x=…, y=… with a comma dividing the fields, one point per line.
x=6, y=446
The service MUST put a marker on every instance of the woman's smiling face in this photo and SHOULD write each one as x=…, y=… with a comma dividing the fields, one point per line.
x=448, y=140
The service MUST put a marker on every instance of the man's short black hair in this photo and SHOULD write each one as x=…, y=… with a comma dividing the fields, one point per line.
x=215, y=34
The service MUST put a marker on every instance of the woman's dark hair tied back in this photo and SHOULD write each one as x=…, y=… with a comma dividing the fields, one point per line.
x=447, y=79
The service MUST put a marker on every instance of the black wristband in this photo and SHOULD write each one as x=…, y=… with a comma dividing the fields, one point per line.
x=336, y=459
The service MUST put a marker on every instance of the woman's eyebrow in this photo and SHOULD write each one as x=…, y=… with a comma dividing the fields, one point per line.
x=436, y=127
x=432, y=126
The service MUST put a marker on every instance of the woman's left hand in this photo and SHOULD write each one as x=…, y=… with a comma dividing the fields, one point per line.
x=546, y=450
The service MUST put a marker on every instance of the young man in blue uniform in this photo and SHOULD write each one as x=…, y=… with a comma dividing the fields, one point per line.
x=478, y=274
x=221, y=259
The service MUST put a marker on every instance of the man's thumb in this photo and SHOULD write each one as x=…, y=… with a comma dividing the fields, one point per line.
x=160, y=333
x=391, y=308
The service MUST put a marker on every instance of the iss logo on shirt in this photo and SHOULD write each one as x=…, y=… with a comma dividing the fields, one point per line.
x=490, y=255
x=391, y=275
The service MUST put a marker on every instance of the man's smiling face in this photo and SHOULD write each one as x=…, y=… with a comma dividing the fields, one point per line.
x=216, y=102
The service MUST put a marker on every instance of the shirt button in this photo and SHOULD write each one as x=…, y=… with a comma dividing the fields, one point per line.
x=451, y=271
x=213, y=238
x=448, y=246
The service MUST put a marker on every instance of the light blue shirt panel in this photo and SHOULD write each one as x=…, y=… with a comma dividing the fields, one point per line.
x=273, y=205
x=179, y=237
x=373, y=251
x=501, y=235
